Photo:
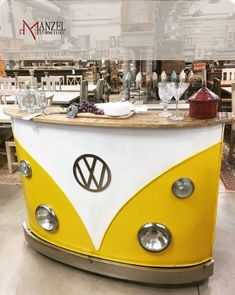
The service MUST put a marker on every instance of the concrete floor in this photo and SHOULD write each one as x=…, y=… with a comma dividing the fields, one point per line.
x=25, y=272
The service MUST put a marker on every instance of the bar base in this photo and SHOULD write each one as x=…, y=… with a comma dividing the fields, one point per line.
x=140, y=274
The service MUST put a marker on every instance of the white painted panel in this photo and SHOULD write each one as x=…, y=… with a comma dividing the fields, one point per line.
x=135, y=157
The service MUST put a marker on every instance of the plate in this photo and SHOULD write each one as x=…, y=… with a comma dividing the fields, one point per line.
x=116, y=116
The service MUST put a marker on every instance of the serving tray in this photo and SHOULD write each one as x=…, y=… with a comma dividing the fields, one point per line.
x=59, y=110
x=91, y=115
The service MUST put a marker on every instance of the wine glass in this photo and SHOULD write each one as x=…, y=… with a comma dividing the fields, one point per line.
x=179, y=89
x=166, y=92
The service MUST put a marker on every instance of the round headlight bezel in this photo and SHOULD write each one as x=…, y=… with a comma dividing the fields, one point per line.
x=173, y=188
x=153, y=226
x=25, y=164
x=54, y=220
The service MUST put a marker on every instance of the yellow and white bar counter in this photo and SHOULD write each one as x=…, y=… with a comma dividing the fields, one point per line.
x=107, y=186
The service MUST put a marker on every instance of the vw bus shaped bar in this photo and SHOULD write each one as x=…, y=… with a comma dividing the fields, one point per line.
x=133, y=199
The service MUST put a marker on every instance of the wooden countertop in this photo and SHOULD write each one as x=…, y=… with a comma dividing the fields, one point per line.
x=149, y=119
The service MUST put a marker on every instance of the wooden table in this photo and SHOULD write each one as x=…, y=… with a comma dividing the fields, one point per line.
x=11, y=99
x=3, y=117
x=68, y=93
x=65, y=98
x=227, y=89
x=159, y=106
x=74, y=88
x=224, y=83
x=8, y=95
x=5, y=125
x=59, y=97
x=70, y=88
x=51, y=71
x=149, y=119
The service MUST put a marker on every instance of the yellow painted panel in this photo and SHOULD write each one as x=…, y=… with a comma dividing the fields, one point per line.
x=41, y=189
x=191, y=221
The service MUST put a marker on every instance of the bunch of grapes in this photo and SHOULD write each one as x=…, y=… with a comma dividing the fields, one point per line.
x=89, y=107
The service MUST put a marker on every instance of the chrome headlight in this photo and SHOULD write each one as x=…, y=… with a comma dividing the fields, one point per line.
x=25, y=168
x=46, y=218
x=183, y=188
x=154, y=237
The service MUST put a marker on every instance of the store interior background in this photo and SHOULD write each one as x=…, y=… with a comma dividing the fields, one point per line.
x=105, y=39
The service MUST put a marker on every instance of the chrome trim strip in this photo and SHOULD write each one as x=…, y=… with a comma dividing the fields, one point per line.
x=147, y=275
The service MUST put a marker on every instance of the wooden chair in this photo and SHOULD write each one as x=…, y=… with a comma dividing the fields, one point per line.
x=10, y=148
x=228, y=74
x=74, y=79
x=7, y=83
x=232, y=138
x=11, y=156
x=62, y=80
x=225, y=103
x=51, y=83
x=7, y=90
x=84, y=90
x=22, y=79
x=8, y=96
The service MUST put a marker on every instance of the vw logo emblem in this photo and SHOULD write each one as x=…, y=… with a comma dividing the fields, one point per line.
x=92, y=173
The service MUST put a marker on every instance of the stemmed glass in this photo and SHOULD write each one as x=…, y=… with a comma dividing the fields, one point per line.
x=179, y=89
x=166, y=92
